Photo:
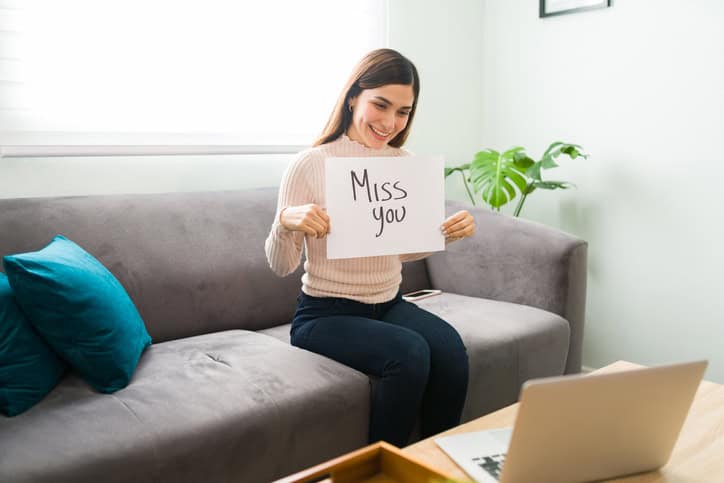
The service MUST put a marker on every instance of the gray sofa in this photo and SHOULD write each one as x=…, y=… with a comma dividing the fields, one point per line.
x=221, y=395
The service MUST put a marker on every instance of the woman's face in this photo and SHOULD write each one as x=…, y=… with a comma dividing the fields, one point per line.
x=378, y=115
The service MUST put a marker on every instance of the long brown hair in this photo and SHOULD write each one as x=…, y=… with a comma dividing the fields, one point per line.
x=378, y=68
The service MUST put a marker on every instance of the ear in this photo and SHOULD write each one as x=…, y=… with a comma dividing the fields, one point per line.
x=351, y=103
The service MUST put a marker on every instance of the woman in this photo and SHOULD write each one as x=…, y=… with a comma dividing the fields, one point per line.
x=350, y=310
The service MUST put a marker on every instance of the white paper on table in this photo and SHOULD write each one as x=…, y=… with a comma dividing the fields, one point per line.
x=408, y=192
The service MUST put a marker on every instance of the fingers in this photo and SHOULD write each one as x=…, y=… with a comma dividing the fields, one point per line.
x=310, y=219
x=324, y=221
x=461, y=229
x=313, y=228
x=315, y=222
x=459, y=225
x=459, y=216
x=323, y=214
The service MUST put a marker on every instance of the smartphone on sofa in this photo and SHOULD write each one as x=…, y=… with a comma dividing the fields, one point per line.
x=420, y=294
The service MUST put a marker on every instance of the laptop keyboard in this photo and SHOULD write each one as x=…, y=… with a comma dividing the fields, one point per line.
x=493, y=464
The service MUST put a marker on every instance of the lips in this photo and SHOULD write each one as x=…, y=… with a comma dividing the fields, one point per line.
x=381, y=135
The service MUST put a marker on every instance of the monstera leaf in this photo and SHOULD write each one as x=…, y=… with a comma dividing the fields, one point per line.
x=500, y=177
x=497, y=175
x=547, y=161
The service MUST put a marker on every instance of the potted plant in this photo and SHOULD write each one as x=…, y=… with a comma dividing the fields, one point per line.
x=499, y=177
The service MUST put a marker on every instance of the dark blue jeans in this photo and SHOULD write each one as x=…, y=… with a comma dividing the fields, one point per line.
x=420, y=360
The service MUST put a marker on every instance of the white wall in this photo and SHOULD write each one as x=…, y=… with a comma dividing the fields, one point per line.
x=24, y=177
x=445, y=41
x=641, y=87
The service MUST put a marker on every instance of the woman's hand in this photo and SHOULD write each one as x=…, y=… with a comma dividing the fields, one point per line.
x=459, y=225
x=311, y=219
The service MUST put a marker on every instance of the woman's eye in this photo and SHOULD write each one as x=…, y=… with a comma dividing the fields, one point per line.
x=381, y=107
x=404, y=113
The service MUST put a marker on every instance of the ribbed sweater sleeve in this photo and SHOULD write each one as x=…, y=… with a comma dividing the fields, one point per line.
x=284, y=247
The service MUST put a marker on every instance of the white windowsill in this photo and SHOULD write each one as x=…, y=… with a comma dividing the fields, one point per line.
x=29, y=151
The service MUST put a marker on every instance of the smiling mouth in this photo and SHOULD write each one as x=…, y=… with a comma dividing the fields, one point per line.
x=380, y=134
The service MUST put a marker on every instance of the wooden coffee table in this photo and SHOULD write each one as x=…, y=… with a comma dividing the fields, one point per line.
x=697, y=457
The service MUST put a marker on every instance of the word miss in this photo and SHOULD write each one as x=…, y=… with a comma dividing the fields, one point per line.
x=388, y=190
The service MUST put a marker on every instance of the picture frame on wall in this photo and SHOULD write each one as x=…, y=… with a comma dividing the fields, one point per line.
x=549, y=8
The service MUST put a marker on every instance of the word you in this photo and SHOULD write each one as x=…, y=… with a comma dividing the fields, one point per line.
x=380, y=193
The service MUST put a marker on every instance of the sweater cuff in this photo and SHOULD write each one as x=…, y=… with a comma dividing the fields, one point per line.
x=277, y=225
x=279, y=229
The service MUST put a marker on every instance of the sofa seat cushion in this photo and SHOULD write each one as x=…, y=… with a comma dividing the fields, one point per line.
x=281, y=332
x=517, y=343
x=227, y=406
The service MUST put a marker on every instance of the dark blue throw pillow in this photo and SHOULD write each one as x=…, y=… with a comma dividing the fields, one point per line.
x=81, y=310
x=28, y=367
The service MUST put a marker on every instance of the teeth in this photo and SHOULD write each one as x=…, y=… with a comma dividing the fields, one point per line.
x=379, y=133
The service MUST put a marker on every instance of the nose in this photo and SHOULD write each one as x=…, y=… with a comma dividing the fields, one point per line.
x=389, y=122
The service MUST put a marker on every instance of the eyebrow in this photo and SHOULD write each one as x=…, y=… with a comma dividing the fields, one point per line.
x=388, y=102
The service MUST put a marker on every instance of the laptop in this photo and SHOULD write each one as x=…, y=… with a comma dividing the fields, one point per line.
x=584, y=427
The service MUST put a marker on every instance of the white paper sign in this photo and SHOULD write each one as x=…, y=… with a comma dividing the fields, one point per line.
x=385, y=206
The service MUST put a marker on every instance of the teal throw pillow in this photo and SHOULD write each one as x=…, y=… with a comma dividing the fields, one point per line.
x=81, y=310
x=29, y=369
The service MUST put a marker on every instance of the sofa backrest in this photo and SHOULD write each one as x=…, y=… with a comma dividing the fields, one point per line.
x=192, y=262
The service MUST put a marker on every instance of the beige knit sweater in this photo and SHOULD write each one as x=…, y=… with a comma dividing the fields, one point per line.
x=369, y=279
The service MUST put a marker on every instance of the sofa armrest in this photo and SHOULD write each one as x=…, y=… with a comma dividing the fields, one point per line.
x=515, y=260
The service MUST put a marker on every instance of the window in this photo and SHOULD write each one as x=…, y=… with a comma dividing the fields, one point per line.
x=182, y=72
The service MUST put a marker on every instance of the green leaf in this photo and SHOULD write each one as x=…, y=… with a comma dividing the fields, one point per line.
x=486, y=156
x=512, y=152
x=534, y=171
x=553, y=185
x=509, y=190
x=547, y=162
x=573, y=151
x=518, y=179
x=451, y=169
x=496, y=175
x=552, y=147
x=522, y=161
x=499, y=194
x=486, y=193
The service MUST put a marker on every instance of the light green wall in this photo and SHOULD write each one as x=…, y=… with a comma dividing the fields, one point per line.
x=444, y=40
x=641, y=87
